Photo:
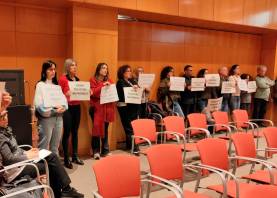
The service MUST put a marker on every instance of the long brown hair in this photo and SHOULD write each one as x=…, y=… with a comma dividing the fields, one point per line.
x=97, y=71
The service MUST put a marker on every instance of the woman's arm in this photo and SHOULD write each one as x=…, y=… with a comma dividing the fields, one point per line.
x=8, y=157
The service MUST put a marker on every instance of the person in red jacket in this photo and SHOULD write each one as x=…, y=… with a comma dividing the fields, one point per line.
x=71, y=117
x=101, y=114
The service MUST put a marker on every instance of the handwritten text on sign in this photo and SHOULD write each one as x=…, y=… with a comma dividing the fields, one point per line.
x=146, y=80
x=177, y=83
x=197, y=84
x=212, y=80
x=79, y=90
x=227, y=87
x=53, y=96
x=215, y=104
x=133, y=96
x=108, y=94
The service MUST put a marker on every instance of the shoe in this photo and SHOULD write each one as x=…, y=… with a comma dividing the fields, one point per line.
x=96, y=156
x=72, y=192
x=68, y=164
x=78, y=161
x=105, y=153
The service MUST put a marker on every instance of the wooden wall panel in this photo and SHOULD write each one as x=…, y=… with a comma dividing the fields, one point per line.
x=7, y=18
x=130, y=4
x=257, y=12
x=159, y=6
x=230, y=11
x=200, y=9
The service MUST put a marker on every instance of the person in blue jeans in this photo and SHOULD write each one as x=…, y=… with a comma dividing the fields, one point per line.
x=168, y=99
x=223, y=73
x=50, y=119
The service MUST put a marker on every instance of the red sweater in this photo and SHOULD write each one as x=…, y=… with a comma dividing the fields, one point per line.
x=63, y=82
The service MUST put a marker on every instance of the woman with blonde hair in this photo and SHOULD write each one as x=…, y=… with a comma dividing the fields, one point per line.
x=71, y=117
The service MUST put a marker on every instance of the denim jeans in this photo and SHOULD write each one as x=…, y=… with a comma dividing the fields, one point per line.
x=201, y=104
x=177, y=109
x=235, y=102
x=50, y=133
x=225, y=105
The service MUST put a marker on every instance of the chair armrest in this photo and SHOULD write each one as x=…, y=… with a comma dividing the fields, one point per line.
x=200, y=129
x=159, y=115
x=96, y=195
x=166, y=182
x=144, y=138
x=219, y=172
x=177, y=135
x=20, y=164
x=31, y=189
x=267, y=165
x=264, y=120
x=172, y=189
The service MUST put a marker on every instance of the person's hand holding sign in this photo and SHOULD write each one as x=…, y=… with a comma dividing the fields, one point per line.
x=107, y=83
x=60, y=109
x=6, y=101
x=135, y=87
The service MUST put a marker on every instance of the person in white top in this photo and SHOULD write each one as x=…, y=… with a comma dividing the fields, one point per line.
x=50, y=121
x=234, y=77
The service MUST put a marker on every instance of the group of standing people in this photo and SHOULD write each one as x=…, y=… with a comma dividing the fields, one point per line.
x=52, y=120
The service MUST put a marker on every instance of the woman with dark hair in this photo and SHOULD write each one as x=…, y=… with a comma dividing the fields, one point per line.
x=50, y=121
x=168, y=99
x=71, y=117
x=101, y=114
x=234, y=77
x=127, y=112
x=245, y=97
x=202, y=97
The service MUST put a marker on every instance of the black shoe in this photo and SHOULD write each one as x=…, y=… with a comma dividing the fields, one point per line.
x=68, y=164
x=77, y=160
x=72, y=192
x=105, y=153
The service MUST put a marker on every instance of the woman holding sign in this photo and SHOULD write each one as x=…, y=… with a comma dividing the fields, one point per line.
x=234, y=77
x=50, y=104
x=245, y=96
x=101, y=114
x=71, y=117
x=127, y=111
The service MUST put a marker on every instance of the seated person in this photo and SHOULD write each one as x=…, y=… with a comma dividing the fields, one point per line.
x=210, y=120
x=5, y=101
x=11, y=153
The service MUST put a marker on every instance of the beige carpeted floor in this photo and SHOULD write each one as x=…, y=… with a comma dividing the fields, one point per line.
x=83, y=177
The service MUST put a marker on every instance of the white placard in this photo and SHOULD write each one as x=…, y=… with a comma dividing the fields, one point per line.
x=252, y=86
x=53, y=96
x=108, y=94
x=198, y=84
x=2, y=89
x=79, y=90
x=212, y=80
x=242, y=84
x=228, y=87
x=177, y=83
x=214, y=104
x=132, y=96
x=146, y=80
x=43, y=153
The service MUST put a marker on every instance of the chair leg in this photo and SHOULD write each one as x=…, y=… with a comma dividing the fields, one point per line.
x=133, y=145
x=198, y=181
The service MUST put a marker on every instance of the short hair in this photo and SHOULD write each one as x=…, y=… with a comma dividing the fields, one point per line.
x=261, y=67
x=201, y=73
x=121, y=70
x=219, y=69
x=244, y=76
x=232, y=70
x=165, y=71
x=186, y=67
x=67, y=63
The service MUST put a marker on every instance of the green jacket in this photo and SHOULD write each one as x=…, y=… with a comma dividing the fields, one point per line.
x=263, y=87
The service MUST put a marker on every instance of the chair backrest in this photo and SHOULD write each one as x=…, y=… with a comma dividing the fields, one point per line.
x=174, y=124
x=270, y=134
x=244, y=145
x=118, y=176
x=145, y=128
x=197, y=120
x=213, y=152
x=165, y=161
x=240, y=116
x=220, y=117
x=268, y=191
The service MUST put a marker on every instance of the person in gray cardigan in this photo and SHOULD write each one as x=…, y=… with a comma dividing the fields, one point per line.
x=262, y=95
x=11, y=154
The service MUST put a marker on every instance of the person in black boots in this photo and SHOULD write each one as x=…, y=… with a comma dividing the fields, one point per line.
x=71, y=117
x=127, y=112
x=11, y=153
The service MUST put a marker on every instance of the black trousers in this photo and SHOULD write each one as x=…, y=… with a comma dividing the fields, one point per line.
x=188, y=109
x=259, y=108
x=96, y=141
x=142, y=110
x=59, y=178
x=71, y=122
x=127, y=115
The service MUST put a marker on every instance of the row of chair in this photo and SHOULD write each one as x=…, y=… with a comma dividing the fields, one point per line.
x=119, y=175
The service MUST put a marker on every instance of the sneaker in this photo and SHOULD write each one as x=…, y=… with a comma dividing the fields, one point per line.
x=105, y=153
x=72, y=192
x=96, y=156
